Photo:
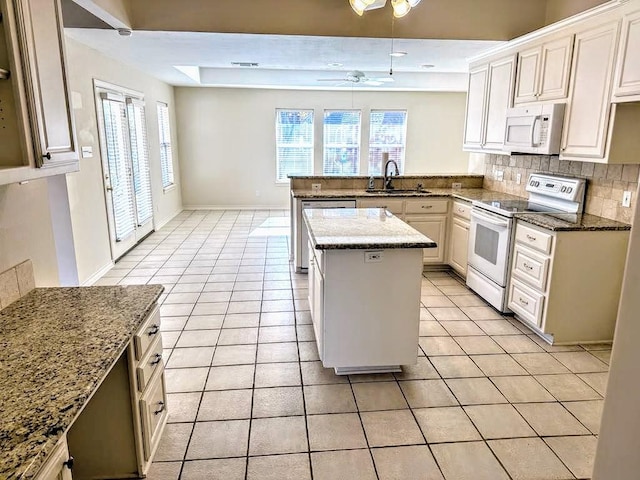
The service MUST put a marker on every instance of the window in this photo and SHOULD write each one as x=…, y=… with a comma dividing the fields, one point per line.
x=140, y=160
x=388, y=132
x=166, y=159
x=341, y=142
x=294, y=143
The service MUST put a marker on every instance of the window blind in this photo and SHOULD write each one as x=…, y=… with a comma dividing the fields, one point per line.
x=116, y=140
x=166, y=159
x=387, y=133
x=341, y=142
x=140, y=160
x=294, y=143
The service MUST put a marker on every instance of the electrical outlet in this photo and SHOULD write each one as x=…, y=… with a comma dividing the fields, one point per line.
x=518, y=178
x=499, y=175
x=316, y=187
x=456, y=185
x=626, y=199
x=372, y=257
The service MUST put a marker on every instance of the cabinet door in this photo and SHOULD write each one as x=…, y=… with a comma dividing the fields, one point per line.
x=587, y=118
x=499, y=95
x=458, y=245
x=526, y=89
x=56, y=468
x=628, y=68
x=318, y=308
x=42, y=41
x=153, y=410
x=476, y=96
x=434, y=227
x=554, y=69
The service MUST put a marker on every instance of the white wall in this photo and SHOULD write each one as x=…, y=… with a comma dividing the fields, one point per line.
x=227, y=138
x=86, y=188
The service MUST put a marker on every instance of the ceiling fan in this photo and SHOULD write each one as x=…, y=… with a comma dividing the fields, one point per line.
x=356, y=76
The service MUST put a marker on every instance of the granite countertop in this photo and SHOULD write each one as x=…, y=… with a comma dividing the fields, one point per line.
x=361, y=228
x=571, y=222
x=57, y=346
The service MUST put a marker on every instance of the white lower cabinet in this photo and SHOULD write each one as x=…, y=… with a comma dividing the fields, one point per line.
x=59, y=464
x=566, y=284
x=459, y=236
x=429, y=217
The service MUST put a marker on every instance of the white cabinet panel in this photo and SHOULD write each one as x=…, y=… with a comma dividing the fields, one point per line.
x=628, y=68
x=555, y=69
x=526, y=89
x=476, y=98
x=459, y=245
x=500, y=91
x=434, y=227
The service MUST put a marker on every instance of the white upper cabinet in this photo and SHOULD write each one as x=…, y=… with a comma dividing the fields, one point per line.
x=543, y=71
x=490, y=94
x=627, y=76
x=587, y=117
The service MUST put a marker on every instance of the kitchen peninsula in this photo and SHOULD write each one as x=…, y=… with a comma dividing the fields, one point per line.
x=364, y=288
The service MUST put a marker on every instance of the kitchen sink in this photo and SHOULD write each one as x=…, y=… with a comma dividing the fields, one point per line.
x=394, y=191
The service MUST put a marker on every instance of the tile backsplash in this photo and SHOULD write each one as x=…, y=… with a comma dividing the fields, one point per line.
x=16, y=282
x=605, y=183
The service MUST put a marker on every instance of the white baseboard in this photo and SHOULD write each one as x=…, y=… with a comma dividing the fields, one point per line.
x=161, y=223
x=235, y=207
x=98, y=275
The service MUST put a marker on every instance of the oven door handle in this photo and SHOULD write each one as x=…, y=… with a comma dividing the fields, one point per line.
x=483, y=218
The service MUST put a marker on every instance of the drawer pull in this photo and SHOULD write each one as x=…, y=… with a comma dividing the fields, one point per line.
x=160, y=410
x=69, y=463
x=426, y=206
x=531, y=238
x=155, y=328
x=461, y=210
x=156, y=359
x=523, y=301
x=527, y=266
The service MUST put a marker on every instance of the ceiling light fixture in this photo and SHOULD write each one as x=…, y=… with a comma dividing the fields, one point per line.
x=400, y=7
x=398, y=54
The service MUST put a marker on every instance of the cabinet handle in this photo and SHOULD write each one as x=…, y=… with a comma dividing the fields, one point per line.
x=531, y=238
x=155, y=328
x=426, y=206
x=160, y=410
x=461, y=210
x=523, y=301
x=156, y=359
x=527, y=266
x=47, y=156
x=69, y=463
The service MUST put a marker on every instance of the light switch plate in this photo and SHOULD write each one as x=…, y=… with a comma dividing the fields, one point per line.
x=316, y=187
x=626, y=199
x=518, y=178
x=87, y=152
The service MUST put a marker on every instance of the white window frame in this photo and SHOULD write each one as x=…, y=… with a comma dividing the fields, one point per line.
x=385, y=146
x=279, y=145
x=166, y=146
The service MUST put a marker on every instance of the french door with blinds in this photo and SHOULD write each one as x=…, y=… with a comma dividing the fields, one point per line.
x=125, y=163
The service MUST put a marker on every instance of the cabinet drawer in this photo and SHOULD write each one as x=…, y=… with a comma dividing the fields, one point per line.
x=394, y=205
x=462, y=210
x=153, y=410
x=55, y=468
x=533, y=238
x=427, y=206
x=147, y=333
x=149, y=363
x=526, y=302
x=530, y=267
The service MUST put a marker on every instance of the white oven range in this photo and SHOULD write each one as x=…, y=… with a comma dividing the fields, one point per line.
x=493, y=225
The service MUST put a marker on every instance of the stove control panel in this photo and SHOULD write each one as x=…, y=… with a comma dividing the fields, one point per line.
x=563, y=188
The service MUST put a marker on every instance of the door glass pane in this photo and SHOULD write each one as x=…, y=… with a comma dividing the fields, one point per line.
x=486, y=244
x=140, y=161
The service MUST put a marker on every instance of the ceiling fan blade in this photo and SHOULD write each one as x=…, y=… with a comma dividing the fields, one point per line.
x=332, y=80
x=383, y=79
x=372, y=82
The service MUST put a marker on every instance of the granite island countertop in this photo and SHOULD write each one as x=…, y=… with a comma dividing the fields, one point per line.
x=57, y=345
x=361, y=228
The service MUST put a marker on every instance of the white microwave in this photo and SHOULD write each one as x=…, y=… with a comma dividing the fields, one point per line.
x=534, y=129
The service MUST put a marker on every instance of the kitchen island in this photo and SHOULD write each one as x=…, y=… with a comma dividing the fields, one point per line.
x=364, y=288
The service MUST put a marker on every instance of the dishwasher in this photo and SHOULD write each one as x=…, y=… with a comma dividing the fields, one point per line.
x=301, y=252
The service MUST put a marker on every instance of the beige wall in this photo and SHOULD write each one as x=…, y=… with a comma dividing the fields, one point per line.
x=86, y=190
x=227, y=138
x=559, y=9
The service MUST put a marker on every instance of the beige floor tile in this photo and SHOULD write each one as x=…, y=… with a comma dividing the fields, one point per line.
x=481, y=313
x=550, y=419
x=210, y=308
x=436, y=301
x=577, y=453
x=517, y=343
x=458, y=328
x=176, y=310
x=283, y=333
x=277, y=375
x=522, y=389
x=218, y=469
x=478, y=345
x=198, y=338
x=445, y=424
x=308, y=351
x=277, y=402
x=431, y=328
x=241, y=296
x=329, y=399
x=219, y=439
x=422, y=370
x=272, y=319
x=434, y=346
x=215, y=297
x=335, y=432
x=475, y=391
x=378, y=396
x=277, y=352
x=305, y=333
x=427, y=393
x=549, y=348
x=603, y=355
x=172, y=324
x=567, y=387
x=343, y=465
x=498, y=365
x=238, y=336
x=241, y=320
x=597, y=381
x=313, y=373
x=225, y=405
x=529, y=459
x=391, y=428
x=174, y=441
x=190, y=357
x=277, y=305
x=447, y=313
x=203, y=322
x=169, y=339
x=581, y=362
x=456, y=366
x=372, y=377
x=164, y=471
x=278, y=435
x=540, y=363
x=230, y=377
x=185, y=379
x=589, y=412
x=243, y=307
x=452, y=290
x=234, y=355
x=404, y=463
x=497, y=327
x=279, y=294
x=499, y=421
x=425, y=316
x=279, y=467
x=468, y=301
x=468, y=461
x=183, y=407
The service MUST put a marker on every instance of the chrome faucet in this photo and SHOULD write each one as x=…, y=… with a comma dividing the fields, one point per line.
x=387, y=179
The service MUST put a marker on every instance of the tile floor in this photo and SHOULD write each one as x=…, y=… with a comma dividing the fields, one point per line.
x=249, y=399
